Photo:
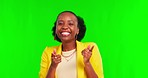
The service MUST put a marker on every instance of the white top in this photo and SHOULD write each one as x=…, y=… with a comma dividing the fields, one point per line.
x=67, y=67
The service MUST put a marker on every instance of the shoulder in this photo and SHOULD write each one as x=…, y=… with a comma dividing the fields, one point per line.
x=88, y=43
x=50, y=49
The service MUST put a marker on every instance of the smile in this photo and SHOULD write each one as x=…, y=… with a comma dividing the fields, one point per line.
x=65, y=33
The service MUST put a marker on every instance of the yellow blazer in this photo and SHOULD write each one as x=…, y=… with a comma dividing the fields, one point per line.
x=96, y=60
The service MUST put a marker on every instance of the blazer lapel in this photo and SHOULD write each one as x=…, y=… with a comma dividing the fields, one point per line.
x=80, y=63
x=59, y=49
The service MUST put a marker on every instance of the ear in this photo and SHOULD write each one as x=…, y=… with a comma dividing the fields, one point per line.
x=77, y=31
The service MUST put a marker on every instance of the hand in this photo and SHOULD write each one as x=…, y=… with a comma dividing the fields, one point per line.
x=56, y=59
x=87, y=54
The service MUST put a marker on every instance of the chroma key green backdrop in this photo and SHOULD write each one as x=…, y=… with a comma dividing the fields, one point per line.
x=119, y=27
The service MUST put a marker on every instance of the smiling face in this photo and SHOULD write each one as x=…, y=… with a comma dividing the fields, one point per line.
x=66, y=27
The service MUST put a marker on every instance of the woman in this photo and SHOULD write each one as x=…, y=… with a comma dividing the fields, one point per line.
x=71, y=59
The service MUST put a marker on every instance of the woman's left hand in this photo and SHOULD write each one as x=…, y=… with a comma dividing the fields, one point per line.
x=87, y=54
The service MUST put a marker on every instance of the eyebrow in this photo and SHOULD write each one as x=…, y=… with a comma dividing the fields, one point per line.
x=68, y=20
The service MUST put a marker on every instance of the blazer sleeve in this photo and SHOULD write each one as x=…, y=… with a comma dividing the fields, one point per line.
x=44, y=64
x=96, y=61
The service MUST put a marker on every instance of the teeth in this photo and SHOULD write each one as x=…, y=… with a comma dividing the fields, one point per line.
x=65, y=33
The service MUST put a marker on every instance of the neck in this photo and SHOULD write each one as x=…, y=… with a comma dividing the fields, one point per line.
x=66, y=46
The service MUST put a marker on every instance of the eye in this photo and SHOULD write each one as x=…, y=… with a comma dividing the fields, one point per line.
x=60, y=23
x=71, y=24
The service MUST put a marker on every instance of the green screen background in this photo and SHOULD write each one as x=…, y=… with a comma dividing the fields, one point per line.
x=119, y=27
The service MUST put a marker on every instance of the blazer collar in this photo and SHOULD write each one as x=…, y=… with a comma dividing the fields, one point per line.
x=78, y=48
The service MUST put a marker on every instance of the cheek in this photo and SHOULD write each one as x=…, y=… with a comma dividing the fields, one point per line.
x=57, y=29
x=77, y=30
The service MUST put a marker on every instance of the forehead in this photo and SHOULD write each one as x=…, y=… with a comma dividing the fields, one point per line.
x=67, y=15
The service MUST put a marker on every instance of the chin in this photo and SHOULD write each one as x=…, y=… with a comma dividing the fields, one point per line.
x=66, y=40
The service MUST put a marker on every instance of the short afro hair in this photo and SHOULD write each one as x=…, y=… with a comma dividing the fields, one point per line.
x=81, y=26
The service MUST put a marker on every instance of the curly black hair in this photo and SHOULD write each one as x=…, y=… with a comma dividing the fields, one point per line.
x=81, y=25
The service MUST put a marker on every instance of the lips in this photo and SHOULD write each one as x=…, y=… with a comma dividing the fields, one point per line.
x=65, y=33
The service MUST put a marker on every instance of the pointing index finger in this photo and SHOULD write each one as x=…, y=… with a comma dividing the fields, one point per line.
x=91, y=48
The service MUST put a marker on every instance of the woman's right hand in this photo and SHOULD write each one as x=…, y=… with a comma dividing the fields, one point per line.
x=56, y=59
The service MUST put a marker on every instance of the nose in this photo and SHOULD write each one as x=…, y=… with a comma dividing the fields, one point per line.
x=65, y=26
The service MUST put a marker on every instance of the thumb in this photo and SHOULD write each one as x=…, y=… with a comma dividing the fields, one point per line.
x=54, y=52
x=88, y=47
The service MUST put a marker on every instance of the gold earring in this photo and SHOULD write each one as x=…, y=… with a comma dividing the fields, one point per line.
x=76, y=36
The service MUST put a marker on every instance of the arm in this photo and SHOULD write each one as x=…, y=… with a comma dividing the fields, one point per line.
x=96, y=61
x=90, y=71
x=56, y=59
x=45, y=71
x=87, y=53
x=93, y=67
x=51, y=72
x=44, y=64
